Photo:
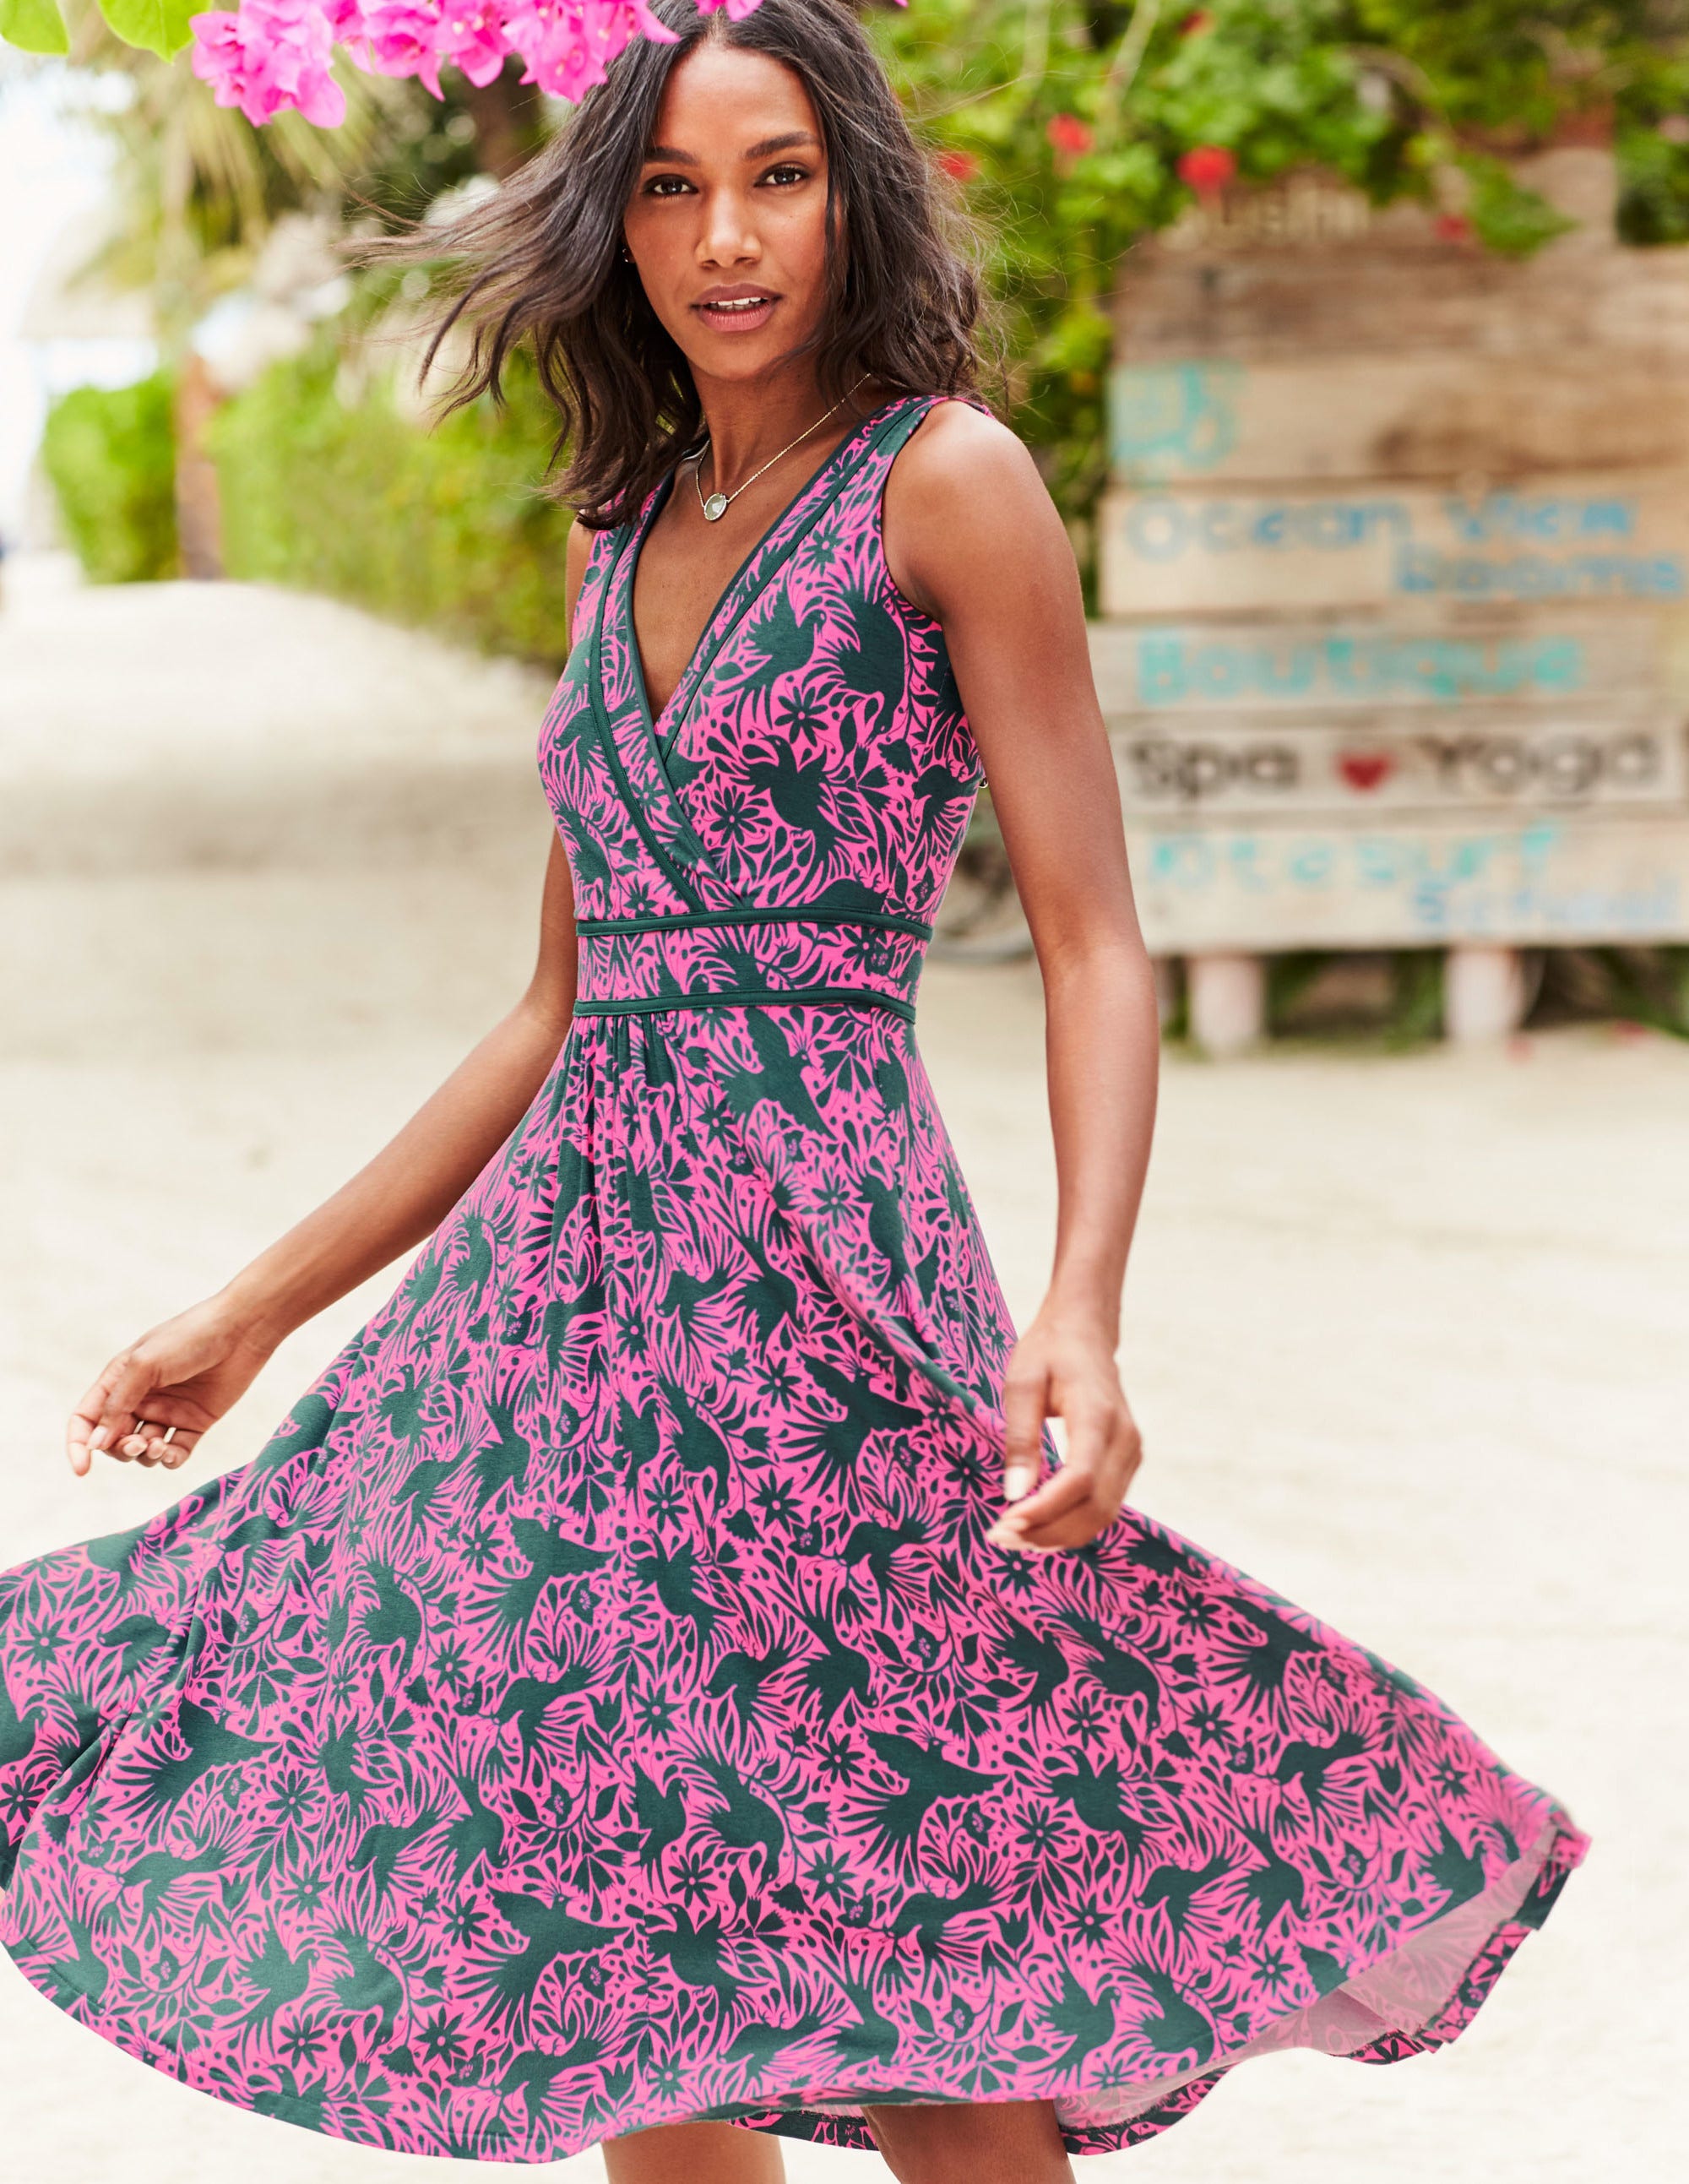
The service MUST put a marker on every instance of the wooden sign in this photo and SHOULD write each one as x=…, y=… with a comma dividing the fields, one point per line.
x=1394, y=574
x=1603, y=538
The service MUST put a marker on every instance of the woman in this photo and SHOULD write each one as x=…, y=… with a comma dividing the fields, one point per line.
x=660, y=1682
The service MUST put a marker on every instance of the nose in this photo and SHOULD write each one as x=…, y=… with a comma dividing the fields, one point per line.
x=728, y=236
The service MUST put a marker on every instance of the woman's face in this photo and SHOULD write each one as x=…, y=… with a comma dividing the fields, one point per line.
x=728, y=220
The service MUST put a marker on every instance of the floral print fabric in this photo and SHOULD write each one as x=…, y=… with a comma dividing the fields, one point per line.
x=598, y=1707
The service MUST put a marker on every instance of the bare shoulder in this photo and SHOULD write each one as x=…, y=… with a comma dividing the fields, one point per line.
x=960, y=456
x=961, y=486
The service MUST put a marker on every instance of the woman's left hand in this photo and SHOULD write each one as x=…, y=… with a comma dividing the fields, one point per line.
x=1065, y=1367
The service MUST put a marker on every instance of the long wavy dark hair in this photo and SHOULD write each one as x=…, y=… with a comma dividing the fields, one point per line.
x=540, y=265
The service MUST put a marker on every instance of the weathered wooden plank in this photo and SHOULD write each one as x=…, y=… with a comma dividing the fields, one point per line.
x=1451, y=418
x=1543, y=654
x=1286, y=309
x=1591, y=536
x=1310, y=208
x=1545, y=880
x=1306, y=270
x=1354, y=766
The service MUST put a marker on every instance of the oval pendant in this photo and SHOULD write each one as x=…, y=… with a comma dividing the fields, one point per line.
x=715, y=507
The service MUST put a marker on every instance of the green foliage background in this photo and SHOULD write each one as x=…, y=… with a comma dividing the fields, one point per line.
x=110, y=455
x=329, y=491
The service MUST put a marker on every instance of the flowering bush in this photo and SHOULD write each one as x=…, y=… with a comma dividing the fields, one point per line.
x=1068, y=135
x=272, y=55
x=269, y=57
x=1207, y=168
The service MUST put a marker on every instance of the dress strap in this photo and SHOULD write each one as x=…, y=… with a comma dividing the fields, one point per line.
x=599, y=556
x=920, y=406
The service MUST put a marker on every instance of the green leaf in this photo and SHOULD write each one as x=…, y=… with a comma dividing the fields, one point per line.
x=1508, y=217
x=35, y=25
x=157, y=27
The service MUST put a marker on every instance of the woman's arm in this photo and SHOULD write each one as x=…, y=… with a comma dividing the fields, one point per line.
x=188, y=1370
x=404, y=1193
x=972, y=538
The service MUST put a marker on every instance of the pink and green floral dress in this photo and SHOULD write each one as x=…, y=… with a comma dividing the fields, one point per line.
x=598, y=1706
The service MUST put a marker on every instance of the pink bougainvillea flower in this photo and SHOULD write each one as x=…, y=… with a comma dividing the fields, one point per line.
x=1207, y=168
x=1069, y=134
x=625, y=20
x=471, y=35
x=273, y=54
x=398, y=38
x=219, y=56
x=566, y=46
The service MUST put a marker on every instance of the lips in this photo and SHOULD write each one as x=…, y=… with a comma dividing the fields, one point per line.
x=735, y=314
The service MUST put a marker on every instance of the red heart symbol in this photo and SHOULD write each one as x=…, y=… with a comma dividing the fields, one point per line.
x=1365, y=769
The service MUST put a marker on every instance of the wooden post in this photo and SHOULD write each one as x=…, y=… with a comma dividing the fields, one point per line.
x=1483, y=993
x=1228, y=1002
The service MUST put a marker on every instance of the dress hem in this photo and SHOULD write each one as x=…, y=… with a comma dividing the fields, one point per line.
x=1558, y=1850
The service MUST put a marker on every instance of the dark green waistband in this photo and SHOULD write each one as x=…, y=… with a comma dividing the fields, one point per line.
x=740, y=997
x=821, y=995
x=777, y=914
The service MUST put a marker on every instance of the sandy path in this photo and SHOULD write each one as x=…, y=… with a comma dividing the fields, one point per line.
x=1406, y=1336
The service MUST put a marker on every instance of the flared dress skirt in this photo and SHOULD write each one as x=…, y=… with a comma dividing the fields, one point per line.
x=598, y=1706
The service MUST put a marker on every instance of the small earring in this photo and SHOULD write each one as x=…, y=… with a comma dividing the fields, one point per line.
x=627, y=255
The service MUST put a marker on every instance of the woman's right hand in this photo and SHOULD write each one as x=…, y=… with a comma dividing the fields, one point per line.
x=183, y=1373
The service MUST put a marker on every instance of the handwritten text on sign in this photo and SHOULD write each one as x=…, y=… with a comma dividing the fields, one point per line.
x=1485, y=756
x=1218, y=887
x=1185, y=551
x=1308, y=667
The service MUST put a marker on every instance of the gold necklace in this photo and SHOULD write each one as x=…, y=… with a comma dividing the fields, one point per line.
x=715, y=507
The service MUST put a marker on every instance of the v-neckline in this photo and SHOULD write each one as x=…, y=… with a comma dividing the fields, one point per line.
x=653, y=722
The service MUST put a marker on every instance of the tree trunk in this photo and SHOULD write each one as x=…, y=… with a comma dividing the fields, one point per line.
x=199, y=517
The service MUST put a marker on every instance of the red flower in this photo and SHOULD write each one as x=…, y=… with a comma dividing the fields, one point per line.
x=960, y=166
x=1194, y=24
x=1207, y=168
x=1068, y=135
x=1453, y=228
